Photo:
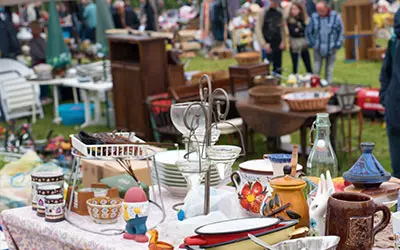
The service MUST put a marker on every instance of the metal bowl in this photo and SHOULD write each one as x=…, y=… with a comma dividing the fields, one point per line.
x=322, y=243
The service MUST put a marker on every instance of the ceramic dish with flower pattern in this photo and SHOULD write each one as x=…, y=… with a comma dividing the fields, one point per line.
x=104, y=210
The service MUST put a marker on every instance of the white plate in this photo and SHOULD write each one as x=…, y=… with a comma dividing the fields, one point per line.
x=177, y=174
x=181, y=181
x=172, y=171
x=263, y=166
x=236, y=226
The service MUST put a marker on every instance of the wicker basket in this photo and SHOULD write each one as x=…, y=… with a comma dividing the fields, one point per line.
x=306, y=89
x=304, y=101
x=264, y=94
x=248, y=58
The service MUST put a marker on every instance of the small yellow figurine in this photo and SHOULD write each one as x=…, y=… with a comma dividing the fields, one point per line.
x=154, y=244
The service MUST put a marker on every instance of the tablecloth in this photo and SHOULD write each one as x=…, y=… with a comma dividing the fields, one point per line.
x=24, y=230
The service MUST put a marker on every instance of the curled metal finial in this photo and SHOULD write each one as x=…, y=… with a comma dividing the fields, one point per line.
x=204, y=96
x=222, y=97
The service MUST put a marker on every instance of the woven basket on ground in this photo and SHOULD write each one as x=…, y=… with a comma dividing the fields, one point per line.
x=307, y=101
x=248, y=58
x=264, y=94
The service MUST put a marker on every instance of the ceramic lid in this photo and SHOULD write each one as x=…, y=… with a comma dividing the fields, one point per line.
x=367, y=169
x=287, y=181
x=260, y=166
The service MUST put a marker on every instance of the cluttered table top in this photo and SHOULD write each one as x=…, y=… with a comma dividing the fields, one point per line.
x=25, y=230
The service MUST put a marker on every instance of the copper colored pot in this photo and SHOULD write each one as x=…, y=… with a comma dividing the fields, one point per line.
x=351, y=217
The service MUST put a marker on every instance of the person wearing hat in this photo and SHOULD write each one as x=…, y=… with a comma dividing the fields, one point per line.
x=324, y=34
x=390, y=95
x=270, y=32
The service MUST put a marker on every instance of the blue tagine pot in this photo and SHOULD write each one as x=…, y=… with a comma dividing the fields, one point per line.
x=367, y=172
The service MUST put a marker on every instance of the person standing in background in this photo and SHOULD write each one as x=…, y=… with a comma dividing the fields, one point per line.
x=296, y=23
x=131, y=18
x=390, y=95
x=324, y=34
x=9, y=44
x=310, y=7
x=37, y=47
x=37, y=44
x=119, y=15
x=149, y=13
x=270, y=34
x=90, y=17
x=218, y=19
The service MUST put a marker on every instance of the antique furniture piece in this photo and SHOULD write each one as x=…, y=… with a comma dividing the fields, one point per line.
x=277, y=120
x=139, y=69
x=246, y=73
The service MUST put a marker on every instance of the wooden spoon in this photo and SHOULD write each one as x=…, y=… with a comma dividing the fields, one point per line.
x=293, y=163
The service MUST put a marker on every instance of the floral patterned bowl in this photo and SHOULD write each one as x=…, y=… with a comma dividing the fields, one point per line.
x=104, y=210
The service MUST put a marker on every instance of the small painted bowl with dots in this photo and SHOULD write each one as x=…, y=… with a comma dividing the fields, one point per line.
x=104, y=210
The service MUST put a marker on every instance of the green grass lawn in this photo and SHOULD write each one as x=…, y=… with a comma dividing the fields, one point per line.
x=354, y=73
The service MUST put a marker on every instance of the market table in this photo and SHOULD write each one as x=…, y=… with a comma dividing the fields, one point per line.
x=276, y=120
x=24, y=230
x=55, y=83
x=86, y=90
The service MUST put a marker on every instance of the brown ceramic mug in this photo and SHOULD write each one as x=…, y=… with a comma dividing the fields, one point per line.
x=351, y=217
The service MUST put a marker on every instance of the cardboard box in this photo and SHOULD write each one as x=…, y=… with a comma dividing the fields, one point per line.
x=93, y=171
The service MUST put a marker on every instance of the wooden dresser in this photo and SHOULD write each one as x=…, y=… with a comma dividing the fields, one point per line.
x=139, y=69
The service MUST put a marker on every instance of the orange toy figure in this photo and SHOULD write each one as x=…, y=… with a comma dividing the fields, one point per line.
x=158, y=245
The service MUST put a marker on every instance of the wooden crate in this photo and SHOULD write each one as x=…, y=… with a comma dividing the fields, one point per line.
x=358, y=21
x=357, y=14
x=361, y=53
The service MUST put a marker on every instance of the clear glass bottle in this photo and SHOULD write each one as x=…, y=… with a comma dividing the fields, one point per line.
x=322, y=157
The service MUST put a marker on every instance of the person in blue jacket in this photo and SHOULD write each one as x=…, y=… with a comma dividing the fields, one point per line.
x=324, y=34
x=390, y=95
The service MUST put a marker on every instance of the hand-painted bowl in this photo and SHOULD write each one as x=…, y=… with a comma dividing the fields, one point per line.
x=278, y=162
x=104, y=210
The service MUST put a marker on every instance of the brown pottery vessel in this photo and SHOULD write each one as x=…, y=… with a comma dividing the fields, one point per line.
x=351, y=217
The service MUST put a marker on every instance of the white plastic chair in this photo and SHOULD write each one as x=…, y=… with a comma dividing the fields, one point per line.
x=18, y=97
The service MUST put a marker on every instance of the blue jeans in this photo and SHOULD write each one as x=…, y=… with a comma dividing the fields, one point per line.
x=394, y=148
x=44, y=92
